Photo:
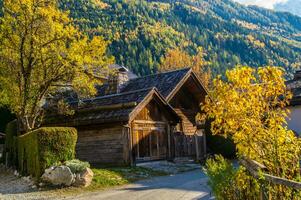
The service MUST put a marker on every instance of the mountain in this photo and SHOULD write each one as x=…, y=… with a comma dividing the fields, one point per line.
x=141, y=31
x=293, y=6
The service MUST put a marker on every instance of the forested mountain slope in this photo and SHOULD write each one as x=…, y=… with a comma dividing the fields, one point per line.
x=141, y=31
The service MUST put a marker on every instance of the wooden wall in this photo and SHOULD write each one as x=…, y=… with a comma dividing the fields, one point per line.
x=103, y=145
x=187, y=140
x=150, y=133
x=187, y=124
x=192, y=146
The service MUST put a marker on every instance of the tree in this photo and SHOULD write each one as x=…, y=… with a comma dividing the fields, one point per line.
x=250, y=107
x=177, y=59
x=40, y=51
x=199, y=64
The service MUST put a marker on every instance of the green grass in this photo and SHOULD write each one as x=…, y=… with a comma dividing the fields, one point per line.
x=109, y=177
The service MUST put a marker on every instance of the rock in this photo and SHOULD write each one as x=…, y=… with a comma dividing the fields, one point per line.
x=16, y=173
x=84, y=178
x=41, y=184
x=60, y=175
x=27, y=179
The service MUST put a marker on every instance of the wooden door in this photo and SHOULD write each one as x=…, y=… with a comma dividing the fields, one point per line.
x=149, y=141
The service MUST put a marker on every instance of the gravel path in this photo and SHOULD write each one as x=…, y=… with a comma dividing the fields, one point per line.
x=14, y=188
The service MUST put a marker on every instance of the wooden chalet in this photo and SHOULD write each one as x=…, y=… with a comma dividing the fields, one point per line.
x=135, y=119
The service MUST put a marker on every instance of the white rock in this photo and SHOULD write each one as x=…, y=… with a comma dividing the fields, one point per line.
x=84, y=178
x=60, y=175
x=16, y=173
x=41, y=184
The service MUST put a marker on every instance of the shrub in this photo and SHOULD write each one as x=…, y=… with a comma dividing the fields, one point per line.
x=44, y=147
x=77, y=166
x=228, y=182
x=10, y=149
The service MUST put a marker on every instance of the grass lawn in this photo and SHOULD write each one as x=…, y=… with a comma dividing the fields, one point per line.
x=121, y=175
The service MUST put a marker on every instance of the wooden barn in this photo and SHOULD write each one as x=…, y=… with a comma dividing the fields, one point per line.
x=135, y=119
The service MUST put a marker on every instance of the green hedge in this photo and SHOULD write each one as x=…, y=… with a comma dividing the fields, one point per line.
x=44, y=147
x=10, y=150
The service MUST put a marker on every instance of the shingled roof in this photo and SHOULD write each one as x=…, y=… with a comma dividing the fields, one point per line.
x=164, y=82
x=118, y=107
x=295, y=86
x=107, y=109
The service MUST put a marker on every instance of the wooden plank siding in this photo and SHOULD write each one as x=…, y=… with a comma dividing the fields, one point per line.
x=103, y=145
x=188, y=121
x=187, y=140
x=191, y=146
x=150, y=140
x=150, y=134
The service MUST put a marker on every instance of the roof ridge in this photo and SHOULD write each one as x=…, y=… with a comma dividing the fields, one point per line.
x=118, y=94
x=172, y=71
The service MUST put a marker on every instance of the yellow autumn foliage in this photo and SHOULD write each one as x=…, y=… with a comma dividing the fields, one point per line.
x=176, y=59
x=41, y=51
x=250, y=107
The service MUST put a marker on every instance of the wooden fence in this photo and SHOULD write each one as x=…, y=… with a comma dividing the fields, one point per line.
x=258, y=171
x=192, y=146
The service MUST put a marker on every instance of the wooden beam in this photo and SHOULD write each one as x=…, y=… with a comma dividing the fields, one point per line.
x=109, y=107
x=253, y=167
x=168, y=141
x=149, y=122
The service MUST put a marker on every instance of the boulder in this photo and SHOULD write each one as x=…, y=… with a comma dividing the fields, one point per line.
x=60, y=175
x=84, y=178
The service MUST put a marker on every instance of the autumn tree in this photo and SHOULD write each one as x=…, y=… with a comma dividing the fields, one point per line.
x=177, y=59
x=250, y=107
x=41, y=51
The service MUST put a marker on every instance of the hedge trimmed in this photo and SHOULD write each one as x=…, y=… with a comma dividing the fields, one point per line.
x=44, y=147
x=10, y=149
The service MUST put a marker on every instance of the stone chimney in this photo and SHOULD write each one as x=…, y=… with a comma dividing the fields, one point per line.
x=117, y=81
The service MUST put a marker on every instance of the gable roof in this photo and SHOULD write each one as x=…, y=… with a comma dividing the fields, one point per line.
x=164, y=82
x=167, y=83
x=120, y=107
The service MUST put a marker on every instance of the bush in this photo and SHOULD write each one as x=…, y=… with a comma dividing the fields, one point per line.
x=228, y=182
x=44, y=147
x=10, y=148
x=77, y=166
